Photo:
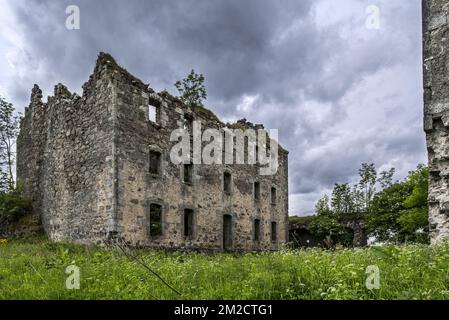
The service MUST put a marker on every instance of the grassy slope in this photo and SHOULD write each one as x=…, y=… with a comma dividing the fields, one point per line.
x=36, y=270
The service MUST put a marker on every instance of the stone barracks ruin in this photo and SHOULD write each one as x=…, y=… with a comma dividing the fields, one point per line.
x=98, y=165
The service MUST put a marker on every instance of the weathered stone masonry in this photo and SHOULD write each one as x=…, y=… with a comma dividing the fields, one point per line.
x=85, y=161
x=436, y=112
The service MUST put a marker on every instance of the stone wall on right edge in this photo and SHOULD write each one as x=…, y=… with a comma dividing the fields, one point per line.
x=436, y=112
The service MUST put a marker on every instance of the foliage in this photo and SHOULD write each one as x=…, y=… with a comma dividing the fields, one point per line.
x=413, y=220
x=13, y=205
x=398, y=212
x=36, y=270
x=414, y=225
x=300, y=220
x=387, y=204
x=329, y=229
x=192, y=89
x=9, y=126
x=367, y=184
x=386, y=178
x=342, y=202
x=418, y=181
x=350, y=202
x=323, y=208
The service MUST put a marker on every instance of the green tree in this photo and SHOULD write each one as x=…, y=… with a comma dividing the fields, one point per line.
x=13, y=205
x=342, y=200
x=8, y=134
x=322, y=207
x=358, y=200
x=367, y=184
x=414, y=219
x=385, y=210
x=418, y=181
x=386, y=178
x=329, y=229
x=399, y=213
x=192, y=89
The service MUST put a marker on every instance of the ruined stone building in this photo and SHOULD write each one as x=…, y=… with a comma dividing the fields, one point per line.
x=436, y=112
x=301, y=235
x=99, y=164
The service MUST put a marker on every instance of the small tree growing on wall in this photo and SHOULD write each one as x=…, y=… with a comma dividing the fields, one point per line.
x=192, y=89
x=8, y=134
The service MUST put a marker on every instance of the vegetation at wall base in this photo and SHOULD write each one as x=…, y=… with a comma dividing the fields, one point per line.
x=13, y=206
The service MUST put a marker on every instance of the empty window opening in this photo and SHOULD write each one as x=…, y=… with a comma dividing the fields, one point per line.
x=257, y=230
x=227, y=182
x=188, y=222
x=188, y=173
x=155, y=162
x=155, y=220
x=257, y=191
x=154, y=110
x=187, y=122
x=257, y=154
x=227, y=232
x=152, y=113
x=273, y=195
x=274, y=231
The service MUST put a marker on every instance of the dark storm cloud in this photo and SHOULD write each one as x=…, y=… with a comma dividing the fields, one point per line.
x=276, y=62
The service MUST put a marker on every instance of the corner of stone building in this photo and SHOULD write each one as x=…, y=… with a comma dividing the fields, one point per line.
x=436, y=113
x=66, y=157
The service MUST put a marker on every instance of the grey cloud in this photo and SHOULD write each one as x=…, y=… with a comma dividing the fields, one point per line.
x=274, y=50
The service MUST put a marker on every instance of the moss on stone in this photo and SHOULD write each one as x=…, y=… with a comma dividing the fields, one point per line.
x=199, y=110
x=106, y=58
x=236, y=126
x=296, y=220
x=206, y=113
x=61, y=90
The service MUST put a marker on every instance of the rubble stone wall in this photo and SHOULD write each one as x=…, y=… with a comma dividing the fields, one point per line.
x=64, y=160
x=436, y=112
x=85, y=162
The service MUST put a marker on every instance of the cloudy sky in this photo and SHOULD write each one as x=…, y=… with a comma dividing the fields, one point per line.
x=340, y=91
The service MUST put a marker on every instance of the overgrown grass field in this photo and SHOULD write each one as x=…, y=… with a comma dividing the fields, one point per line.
x=36, y=270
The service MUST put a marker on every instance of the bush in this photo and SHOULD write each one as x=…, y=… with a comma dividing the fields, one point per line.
x=324, y=226
x=14, y=205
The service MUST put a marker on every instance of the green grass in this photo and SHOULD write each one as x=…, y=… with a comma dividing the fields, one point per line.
x=36, y=270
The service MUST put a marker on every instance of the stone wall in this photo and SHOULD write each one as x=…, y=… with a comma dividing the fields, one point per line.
x=137, y=188
x=85, y=162
x=64, y=160
x=436, y=112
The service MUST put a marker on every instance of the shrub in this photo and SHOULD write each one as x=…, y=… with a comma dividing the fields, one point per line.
x=14, y=205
